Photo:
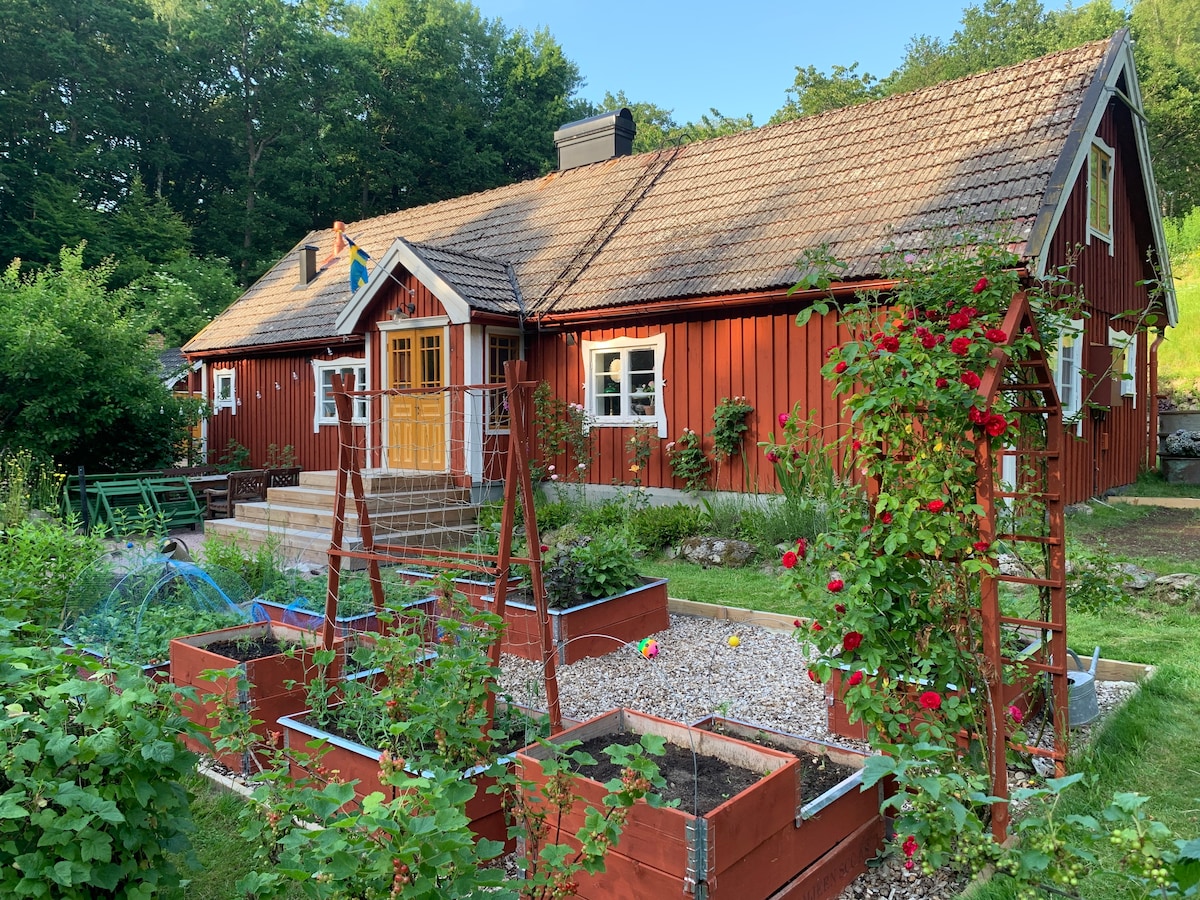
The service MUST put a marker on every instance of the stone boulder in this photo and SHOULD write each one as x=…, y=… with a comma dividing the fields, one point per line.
x=723, y=552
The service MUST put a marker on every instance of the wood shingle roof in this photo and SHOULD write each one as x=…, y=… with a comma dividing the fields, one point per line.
x=723, y=216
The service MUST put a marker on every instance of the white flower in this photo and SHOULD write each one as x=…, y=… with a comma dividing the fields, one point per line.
x=581, y=466
x=554, y=478
x=550, y=468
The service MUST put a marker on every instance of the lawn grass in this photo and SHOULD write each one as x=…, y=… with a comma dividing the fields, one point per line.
x=1179, y=355
x=1151, y=484
x=748, y=588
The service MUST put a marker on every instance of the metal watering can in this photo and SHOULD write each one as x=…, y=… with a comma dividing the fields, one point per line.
x=1083, y=707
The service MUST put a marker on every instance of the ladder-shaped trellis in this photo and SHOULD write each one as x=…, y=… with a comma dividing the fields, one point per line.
x=1019, y=491
x=515, y=396
x=1024, y=514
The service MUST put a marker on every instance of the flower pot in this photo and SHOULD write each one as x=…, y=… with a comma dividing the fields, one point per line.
x=277, y=683
x=589, y=629
x=1180, y=469
x=312, y=620
x=738, y=850
x=837, y=830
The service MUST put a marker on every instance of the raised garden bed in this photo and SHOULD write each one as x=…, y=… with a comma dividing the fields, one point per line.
x=298, y=616
x=275, y=660
x=743, y=848
x=588, y=629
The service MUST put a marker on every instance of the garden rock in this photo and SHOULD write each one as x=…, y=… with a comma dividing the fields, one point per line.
x=1179, y=587
x=1136, y=577
x=724, y=552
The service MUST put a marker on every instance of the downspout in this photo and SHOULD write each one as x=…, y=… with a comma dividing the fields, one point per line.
x=1152, y=406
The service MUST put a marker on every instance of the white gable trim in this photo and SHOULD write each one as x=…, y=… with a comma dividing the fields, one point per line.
x=402, y=255
x=1123, y=65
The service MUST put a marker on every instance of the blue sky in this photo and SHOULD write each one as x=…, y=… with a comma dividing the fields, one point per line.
x=739, y=57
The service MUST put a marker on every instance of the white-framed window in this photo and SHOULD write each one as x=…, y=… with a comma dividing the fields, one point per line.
x=325, y=409
x=501, y=347
x=1100, y=176
x=224, y=390
x=1068, y=372
x=624, y=381
x=1124, y=346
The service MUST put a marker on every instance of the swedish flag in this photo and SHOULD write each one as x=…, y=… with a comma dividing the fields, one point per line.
x=358, y=265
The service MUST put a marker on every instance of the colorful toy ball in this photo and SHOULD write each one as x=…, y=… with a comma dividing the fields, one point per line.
x=648, y=647
x=734, y=640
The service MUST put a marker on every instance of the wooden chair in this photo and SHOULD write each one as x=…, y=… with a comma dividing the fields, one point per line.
x=246, y=486
x=289, y=477
x=174, y=500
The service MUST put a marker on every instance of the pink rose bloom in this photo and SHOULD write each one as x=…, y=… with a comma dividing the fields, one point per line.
x=783, y=420
x=1017, y=715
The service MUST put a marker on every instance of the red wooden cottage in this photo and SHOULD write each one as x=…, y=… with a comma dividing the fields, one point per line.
x=648, y=287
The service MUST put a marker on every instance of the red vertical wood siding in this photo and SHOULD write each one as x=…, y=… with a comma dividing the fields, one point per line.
x=276, y=408
x=765, y=358
x=1111, y=447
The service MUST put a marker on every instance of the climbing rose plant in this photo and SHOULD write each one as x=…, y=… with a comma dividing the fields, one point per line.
x=891, y=595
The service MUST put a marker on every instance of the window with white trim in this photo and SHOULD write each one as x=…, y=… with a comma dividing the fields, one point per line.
x=502, y=347
x=224, y=390
x=325, y=412
x=624, y=381
x=1124, y=346
x=1068, y=372
x=1100, y=166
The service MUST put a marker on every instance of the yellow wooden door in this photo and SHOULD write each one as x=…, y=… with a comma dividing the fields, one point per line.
x=417, y=422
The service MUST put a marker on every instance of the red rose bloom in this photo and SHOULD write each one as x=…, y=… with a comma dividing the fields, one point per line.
x=970, y=379
x=886, y=518
x=802, y=547
x=935, y=506
x=977, y=415
x=995, y=425
x=996, y=335
x=789, y=560
x=840, y=367
x=852, y=641
x=959, y=346
x=813, y=676
x=797, y=623
x=783, y=420
x=929, y=341
x=931, y=700
x=839, y=608
x=958, y=321
x=941, y=383
x=836, y=585
x=856, y=678
x=980, y=286
x=816, y=626
x=981, y=546
x=772, y=456
x=891, y=344
x=910, y=846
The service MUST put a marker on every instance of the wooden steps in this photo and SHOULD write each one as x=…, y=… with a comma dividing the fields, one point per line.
x=422, y=510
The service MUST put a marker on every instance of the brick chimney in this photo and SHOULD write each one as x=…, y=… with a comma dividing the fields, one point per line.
x=595, y=139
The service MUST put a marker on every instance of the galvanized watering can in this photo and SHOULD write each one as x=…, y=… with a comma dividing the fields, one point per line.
x=1083, y=707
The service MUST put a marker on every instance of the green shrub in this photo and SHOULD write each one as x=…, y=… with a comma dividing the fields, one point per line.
x=657, y=527
x=261, y=568
x=40, y=560
x=91, y=799
x=605, y=516
x=589, y=568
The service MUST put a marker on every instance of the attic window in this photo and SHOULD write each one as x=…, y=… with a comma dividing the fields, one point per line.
x=624, y=382
x=1100, y=161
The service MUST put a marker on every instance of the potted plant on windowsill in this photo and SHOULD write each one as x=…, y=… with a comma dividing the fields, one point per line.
x=1180, y=459
x=597, y=601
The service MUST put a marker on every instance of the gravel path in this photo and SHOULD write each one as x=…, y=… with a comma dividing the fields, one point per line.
x=762, y=680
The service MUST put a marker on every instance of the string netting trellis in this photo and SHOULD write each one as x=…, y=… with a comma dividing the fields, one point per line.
x=414, y=466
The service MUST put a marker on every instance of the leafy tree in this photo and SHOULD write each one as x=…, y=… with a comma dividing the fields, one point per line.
x=657, y=128
x=79, y=382
x=180, y=298
x=815, y=92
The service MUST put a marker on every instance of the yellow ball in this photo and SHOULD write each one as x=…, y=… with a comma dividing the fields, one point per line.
x=734, y=640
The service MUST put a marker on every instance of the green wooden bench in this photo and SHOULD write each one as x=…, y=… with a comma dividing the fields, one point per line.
x=120, y=501
x=174, y=500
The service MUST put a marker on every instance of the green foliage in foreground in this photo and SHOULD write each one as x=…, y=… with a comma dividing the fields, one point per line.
x=91, y=799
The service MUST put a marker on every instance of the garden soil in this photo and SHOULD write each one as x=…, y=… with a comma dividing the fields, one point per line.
x=1162, y=532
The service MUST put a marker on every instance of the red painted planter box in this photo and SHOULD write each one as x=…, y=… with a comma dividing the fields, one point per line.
x=835, y=832
x=418, y=610
x=278, y=683
x=1022, y=694
x=590, y=629
x=353, y=761
x=738, y=851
